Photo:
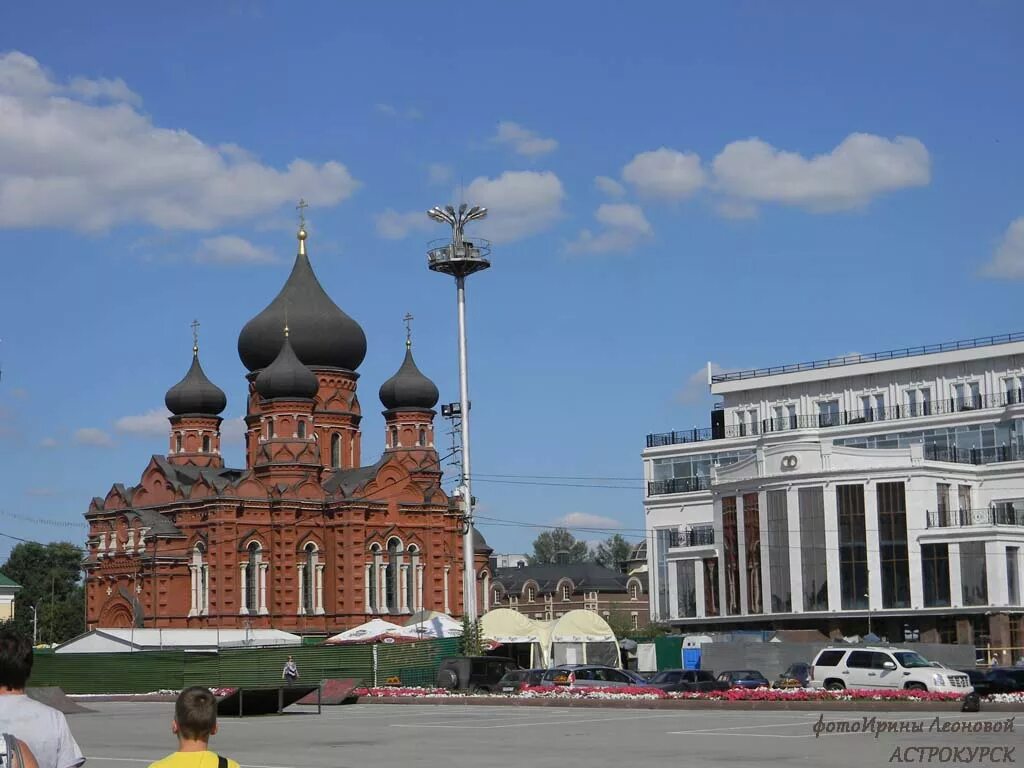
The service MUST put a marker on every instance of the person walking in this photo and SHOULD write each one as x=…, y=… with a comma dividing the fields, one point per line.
x=42, y=728
x=291, y=672
x=195, y=722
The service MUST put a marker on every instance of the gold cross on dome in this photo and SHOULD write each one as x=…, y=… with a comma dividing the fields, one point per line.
x=195, y=334
x=301, y=208
x=408, y=329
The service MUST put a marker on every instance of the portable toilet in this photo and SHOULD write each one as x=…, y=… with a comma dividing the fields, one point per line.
x=691, y=658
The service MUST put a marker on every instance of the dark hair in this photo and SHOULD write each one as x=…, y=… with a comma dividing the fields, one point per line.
x=195, y=711
x=15, y=659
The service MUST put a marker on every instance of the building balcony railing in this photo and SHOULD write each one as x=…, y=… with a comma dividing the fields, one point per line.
x=829, y=419
x=962, y=518
x=697, y=536
x=990, y=455
x=677, y=485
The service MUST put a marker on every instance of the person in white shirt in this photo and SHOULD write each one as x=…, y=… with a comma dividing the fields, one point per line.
x=42, y=728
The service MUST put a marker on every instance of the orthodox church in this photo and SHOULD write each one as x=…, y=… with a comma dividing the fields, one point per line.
x=306, y=538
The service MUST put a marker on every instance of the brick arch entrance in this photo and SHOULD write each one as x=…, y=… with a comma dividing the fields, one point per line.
x=116, y=615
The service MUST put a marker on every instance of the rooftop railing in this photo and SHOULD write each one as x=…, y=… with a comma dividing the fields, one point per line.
x=1005, y=514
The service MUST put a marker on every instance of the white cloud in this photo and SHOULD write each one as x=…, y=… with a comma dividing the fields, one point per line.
x=68, y=162
x=93, y=436
x=42, y=492
x=48, y=442
x=392, y=225
x=587, y=520
x=439, y=173
x=230, y=249
x=695, y=388
x=232, y=430
x=665, y=174
x=519, y=203
x=736, y=209
x=609, y=186
x=522, y=140
x=152, y=423
x=860, y=168
x=390, y=110
x=1008, y=260
x=625, y=227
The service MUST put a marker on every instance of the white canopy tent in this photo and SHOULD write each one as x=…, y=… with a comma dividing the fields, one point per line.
x=371, y=631
x=437, y=626
x=583, y=637
x=528, y=638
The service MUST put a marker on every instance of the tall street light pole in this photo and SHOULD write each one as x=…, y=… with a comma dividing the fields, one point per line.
x=460, y=258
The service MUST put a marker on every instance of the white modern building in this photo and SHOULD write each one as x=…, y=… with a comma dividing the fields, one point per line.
x=881, y=491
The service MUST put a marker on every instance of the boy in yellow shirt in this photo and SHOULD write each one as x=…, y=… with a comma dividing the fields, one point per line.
x=195, y=721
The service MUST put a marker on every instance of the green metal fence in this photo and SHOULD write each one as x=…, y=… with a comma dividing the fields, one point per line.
x=408, y=663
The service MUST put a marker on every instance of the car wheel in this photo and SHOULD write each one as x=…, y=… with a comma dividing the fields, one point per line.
x=447, y=679
x=917, y=687
x=835, y=685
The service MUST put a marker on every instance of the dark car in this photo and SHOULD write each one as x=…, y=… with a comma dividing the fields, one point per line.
x=980, y=681
x=688, y=680
x=591, y=675
x=518, y=679
x=1005, y=680
x=638, y=678
x=474, y=673
x=743, y=678
x=797, y=675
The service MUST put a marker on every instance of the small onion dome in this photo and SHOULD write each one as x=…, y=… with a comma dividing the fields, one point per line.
x=323, y=336
x=195, y=394
x=286, y=377
x=408, y=388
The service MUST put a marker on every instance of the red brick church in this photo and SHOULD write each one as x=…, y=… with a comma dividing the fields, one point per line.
x=306, y=538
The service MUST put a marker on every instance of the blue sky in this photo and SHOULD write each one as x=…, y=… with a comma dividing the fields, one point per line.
x=742, y=183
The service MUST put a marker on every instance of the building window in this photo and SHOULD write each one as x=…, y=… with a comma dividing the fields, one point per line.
x=778, y=553
x=892, y=542
x=394, y=437
x=374, y=587
x=935, y=573
x=973, y=573
x=919, y=401
x=206, y=443
x=566, y=593
x=423, y=438
x=634, y=591
x=412, y=594
x=1013, y=575
x=335, y=450
x=710, y=565
x=752, y=544
x=531, y=594
x=309, y=586
x=177, y=443
x=635, y=619
x=497, y=597
x=252, y=577
x=730, y=544
x=966, y=396
x=270, y=428
x=1012, y=390
x=391, y=575
x=302, y=430
x=686, y=589
x=853, y=547
x=828, y=413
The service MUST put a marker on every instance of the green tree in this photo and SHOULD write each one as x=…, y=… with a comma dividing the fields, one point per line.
x=471, y=643
x=50, y=579
x=613, y=551
x=549, y=545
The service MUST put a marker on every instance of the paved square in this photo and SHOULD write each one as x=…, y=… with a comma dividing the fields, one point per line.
x=435, y=736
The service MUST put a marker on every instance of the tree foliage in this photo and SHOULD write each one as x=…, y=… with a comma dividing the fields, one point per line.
x=548, y=546
x=613, y=552
x=50, y=579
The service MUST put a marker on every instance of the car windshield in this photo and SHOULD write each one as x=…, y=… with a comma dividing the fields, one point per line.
x=910, y=659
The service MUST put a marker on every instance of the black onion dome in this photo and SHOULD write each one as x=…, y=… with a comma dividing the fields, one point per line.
x=408, y=388
x=286, y=376
x=322, y=335
x=480, y=545
x=195, y=393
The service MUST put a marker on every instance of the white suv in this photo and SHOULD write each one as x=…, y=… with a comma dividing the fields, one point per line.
x=882, y=667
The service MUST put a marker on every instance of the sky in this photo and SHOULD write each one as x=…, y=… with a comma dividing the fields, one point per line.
x=669, y=184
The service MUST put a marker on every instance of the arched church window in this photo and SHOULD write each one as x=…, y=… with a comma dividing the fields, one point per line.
x=394, y=437
x=302, y=430
x=206, y=443
x=270, y=428
x=309, y=578
x=200, y=581
x=423, y=437
x=374, y=586
x=391, y=575
x=252, y=577
x=177, y=443
x=335, y=450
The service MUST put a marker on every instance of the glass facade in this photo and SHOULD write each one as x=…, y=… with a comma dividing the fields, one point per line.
x=935, y=573
x=1013, y=575
x=752, y=545
x=942, y=442
x=710, y=586
x=973, y=573
x=778, y=553
x=730, y=546
x=696, y=467
x=892, y=544
x=661, y=544
x=853, y=547
x=813, y=555
x=686, y=589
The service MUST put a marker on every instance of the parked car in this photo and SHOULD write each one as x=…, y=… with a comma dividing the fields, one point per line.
x=638, y=678
x=743, y=678
x=473, y=673
x=518, y=679
x=980, y=681
x=688, y=680
x=797, y=675
x=1005, y=680
x=588, y=675
x=883, y=667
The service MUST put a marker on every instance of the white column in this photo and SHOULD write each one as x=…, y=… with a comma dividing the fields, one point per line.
x=698, y=585
x=205, y=602
x=301, y=568
x=195, y=590
x=263, y=588
x=995, y=565
x=419, y=587
x=487, y=592
x=243, y=569
x=875, y=602
x=915, y=505
x=673, y=591
x=956, y=591
x=447, y=602
x=403, y=588
x=382, y=586
x=796, y=573
x=318, y=590
x=832, y=547
x=367, y=596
